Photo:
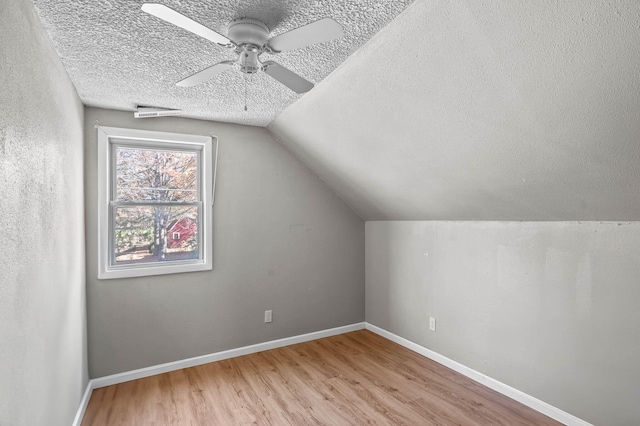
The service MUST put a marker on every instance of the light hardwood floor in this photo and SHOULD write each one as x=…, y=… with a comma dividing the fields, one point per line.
x=354, y=378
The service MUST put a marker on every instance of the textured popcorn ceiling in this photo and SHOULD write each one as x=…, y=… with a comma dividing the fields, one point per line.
x=119, y=57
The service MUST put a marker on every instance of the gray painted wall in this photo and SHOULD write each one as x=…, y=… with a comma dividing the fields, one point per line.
x=43, y=363
x=282, y=241
x=548, y=308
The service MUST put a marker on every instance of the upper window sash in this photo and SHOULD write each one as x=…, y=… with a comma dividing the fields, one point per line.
x=115, y=147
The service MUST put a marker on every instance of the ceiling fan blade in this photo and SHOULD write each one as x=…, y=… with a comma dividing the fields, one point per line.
x=287, y=77
x=317, y=32
x=167, y=14
x=205, y=74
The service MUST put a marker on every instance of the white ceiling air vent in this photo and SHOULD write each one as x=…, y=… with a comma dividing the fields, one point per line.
x=148, y=112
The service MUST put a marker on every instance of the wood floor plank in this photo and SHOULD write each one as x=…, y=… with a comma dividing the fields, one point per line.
x=356, y=378
x=420, y=363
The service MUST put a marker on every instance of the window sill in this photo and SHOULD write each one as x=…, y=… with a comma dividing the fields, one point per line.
x=155, y=269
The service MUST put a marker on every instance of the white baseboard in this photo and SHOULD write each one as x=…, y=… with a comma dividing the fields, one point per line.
x=528, y=400
x=114, y=379
x=515, y=394
x=83, y=405
x=219, y=356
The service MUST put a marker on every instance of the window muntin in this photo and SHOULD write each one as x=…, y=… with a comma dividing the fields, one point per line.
x=152, y=185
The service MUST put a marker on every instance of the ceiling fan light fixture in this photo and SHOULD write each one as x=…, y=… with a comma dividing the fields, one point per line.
x=248, y=61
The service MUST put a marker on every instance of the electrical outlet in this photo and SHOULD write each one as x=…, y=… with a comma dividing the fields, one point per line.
x=268, y=316
x=432, y=324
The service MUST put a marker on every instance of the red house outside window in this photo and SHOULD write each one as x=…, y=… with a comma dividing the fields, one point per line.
x=183, y=232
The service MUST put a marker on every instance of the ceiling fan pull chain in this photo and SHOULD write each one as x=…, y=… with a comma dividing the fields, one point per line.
x=245, y=92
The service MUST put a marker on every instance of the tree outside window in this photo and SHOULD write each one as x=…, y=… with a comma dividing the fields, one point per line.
x=155, y=194
x=168, y=178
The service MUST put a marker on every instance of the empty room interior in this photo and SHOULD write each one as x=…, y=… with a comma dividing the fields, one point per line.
x=320, y=212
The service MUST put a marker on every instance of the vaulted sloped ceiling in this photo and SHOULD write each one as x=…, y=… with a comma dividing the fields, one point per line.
x=483, y=110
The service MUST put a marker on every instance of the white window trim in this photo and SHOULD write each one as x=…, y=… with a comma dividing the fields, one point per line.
x=110, y=135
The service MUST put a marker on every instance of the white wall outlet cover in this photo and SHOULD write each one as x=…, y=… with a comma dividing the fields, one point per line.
x=432, y=324
x=268, y=316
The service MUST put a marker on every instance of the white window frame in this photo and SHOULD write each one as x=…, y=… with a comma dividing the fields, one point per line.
x=108, y=137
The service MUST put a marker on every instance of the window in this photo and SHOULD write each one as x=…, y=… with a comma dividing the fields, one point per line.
x=154, y=207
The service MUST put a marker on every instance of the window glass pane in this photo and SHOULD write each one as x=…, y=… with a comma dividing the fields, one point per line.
x=150, y=234
x=156, y=175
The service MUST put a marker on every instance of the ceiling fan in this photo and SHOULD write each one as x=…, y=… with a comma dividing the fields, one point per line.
x=249, y=38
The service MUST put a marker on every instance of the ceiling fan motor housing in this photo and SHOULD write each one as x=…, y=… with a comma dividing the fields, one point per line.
x=248, y=31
